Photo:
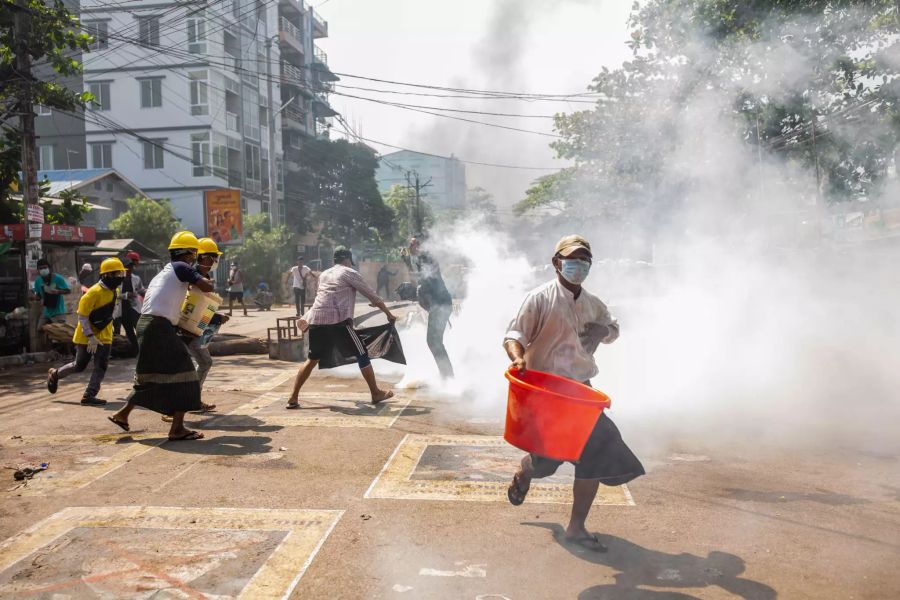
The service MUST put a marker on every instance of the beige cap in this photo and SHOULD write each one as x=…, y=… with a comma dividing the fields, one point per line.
x=570, y=244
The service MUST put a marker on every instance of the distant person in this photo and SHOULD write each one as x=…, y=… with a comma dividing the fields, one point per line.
x=50, y=288
x=330, y=324
x=298, y=276
x=558, y=329
x=165, y=379
x=235, y=287
x=130, y=294
x=383, y=280
x=264, y=298
x=434, y=297
x=86, y=277
x=93, y=334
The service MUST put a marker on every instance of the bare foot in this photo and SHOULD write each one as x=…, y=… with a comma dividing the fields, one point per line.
x=381, y=396
x=582, y=537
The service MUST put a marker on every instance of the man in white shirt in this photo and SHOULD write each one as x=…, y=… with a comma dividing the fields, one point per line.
x=297, y=277
x=558, y=329
x=329, y=324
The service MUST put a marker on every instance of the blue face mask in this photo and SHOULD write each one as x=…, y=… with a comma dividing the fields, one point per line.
x=574, y=271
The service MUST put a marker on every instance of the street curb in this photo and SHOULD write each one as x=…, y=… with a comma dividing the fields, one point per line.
x=18, y=360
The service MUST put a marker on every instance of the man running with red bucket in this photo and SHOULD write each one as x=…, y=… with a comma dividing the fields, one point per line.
x=557, y=330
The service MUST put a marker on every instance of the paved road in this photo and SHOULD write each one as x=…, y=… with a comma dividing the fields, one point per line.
x=342, y=500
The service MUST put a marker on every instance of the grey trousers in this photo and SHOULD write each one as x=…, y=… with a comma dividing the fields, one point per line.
x=82, y=358
x=203, y=359
x=438, y=317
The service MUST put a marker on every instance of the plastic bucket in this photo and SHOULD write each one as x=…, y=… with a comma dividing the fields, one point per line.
x=550, y=415
x=197, y=311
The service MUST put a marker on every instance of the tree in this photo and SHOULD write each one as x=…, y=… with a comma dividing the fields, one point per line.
x=149, y=221
x=336, y=186
x=53, y=37
x=768, y=75
x=402, y=203
x=72, y=211
x=265, y=253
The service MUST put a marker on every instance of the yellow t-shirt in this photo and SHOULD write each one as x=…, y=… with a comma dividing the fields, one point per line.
x=93, y=299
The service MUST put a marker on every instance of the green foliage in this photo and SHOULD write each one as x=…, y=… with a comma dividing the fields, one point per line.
x=71, y=212
x=401, y=201
x=336, y=186
x=53, y=37
x=265, y=253
x=779, y=65
x=149, y=221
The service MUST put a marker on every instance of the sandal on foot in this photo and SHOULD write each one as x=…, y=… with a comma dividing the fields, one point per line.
x=124, y=426
x=292, y=406
x=387, y=396
x=588, y=542
x=166, y=419
x=204, y=408
x=190, y=435
x=52, y=381
x=515, y=492
x=92, y=401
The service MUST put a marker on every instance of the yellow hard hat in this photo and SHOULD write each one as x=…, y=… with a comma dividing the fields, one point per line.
x=111, y=264
x=184, y=240
x=208, y=246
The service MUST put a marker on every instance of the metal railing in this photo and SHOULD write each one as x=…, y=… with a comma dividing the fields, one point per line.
x=291, y=31
x=295, y=114
x=320, y=55
x=292, y=74
x=319, y=22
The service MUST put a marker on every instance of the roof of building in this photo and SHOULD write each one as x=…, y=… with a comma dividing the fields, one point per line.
x=65, y=179
x=120, y=245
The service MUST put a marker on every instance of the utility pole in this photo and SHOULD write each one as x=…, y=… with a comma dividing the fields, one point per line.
x=29, y=163
x=818, y=210
x=273, y=198
x=417, y=187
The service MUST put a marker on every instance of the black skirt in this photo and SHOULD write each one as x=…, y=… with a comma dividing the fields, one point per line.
x=165, y=379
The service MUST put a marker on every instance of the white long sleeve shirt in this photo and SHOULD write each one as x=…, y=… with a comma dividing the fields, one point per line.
x=553, y=327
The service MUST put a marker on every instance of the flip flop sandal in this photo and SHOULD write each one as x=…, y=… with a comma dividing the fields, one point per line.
x=190, y=435
x=204, y=408
x=124, y=426
x=290, y=406
x=515, y=493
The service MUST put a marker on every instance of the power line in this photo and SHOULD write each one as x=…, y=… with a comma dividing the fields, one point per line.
x=459, y=110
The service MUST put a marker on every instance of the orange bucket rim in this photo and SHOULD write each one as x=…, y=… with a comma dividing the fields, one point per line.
x=606, y=402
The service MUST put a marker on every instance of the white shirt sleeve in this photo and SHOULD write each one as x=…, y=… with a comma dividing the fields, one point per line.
x=526, y=325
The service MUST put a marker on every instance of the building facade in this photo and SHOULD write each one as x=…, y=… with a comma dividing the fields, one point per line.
x=446, y=189
x=182, y=97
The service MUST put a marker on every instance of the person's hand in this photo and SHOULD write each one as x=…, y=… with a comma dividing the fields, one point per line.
x=92, y=344
x=391, y=317
x=225, y=318
x=303, y=324
x=518, y=365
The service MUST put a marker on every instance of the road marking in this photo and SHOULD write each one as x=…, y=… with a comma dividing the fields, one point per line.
x=323, y=409
x=476, y=570
x=189, y=566
x=469, y=468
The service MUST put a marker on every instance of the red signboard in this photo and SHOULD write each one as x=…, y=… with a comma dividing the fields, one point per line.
x=72, y=234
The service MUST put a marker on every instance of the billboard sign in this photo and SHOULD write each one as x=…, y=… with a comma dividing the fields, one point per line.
x=223, y=215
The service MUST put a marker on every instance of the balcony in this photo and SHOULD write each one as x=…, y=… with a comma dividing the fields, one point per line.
x=233, y=122
x=320, y=66
x=290, y=35
x=320, y=56
x=320, y=25
x=292, y=5
x=323, y=129
x=322, y=108
x=294, y=118
x=293, y=76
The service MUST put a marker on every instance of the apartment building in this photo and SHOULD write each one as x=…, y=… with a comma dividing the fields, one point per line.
x=182, y=96
x=446, y=176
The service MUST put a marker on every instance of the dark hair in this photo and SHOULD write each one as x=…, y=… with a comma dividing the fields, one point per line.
x=174, y=254
x=299, y=258
x=341, y=253
x=43, y=262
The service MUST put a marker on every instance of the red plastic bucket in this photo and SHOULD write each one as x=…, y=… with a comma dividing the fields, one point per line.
x=550, y=415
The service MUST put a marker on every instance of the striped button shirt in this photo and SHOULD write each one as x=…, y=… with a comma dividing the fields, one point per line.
x=337, y=296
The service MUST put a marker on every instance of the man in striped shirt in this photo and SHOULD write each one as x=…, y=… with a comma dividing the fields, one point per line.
x=330, y=324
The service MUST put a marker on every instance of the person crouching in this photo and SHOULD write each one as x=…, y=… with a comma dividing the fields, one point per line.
x=93, y=334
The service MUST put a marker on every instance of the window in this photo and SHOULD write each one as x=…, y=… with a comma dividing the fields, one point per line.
x=200, y=154
x=199, y=93
x=220, y=160
x=148, y=31
x=99, y=30
x=153, y=154
x=101, y=156
x=251, y=113
x=42, y=110
x=100, y=90
x=151, y=93
x=98, y=185
x=196, y=33
x=251, y=162
x=45, y=158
